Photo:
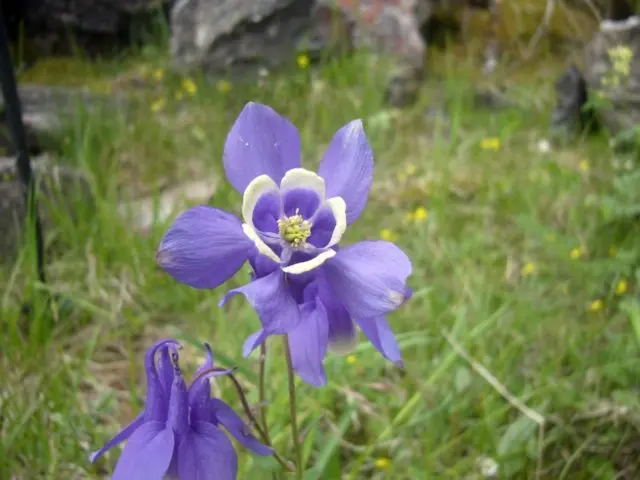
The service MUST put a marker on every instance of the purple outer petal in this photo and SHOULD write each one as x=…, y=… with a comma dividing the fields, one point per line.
x=120, y=437
x=165, y=369
x=147, y=455
x=156, y=404
x=260, y=142
x=238, y=428
x=262, y=265
x=379, y=333
x=208, y=361
x=204, y=247
x=272, y=300
x=342, y=331
x=178, y=416
x=308, y=343
x=252, y=341
x=347, y=168
x=200, y=398
x=369, y=278
x=205, y=452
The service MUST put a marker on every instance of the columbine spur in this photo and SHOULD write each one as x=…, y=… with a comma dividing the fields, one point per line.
x=177, y=434
x=303, y=285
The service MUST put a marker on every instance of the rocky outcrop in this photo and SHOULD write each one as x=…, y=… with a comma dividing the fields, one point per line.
x=571, y=97
x=233, y=36
x=605, y=9
x=60, y=190
x=612, y=74
x=46, y=110
x=96, y=24
x=607, y=94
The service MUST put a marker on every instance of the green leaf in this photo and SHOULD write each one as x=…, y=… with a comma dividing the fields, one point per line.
x=265, y=464
x=462, y=379
x=309, y=441
x=326, y=455
x=632, y=309
x=516, y=435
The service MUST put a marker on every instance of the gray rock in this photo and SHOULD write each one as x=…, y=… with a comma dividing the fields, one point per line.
x=231, y=37
x=394, y=29
x=60, y=190
x=46, y=110
x=235, y=35
x=612, y=74
x=49, y=22
x=571, y=97
x=605, y=9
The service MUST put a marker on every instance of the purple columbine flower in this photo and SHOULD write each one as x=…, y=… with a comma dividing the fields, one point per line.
x=304, y=285
x=177, y=434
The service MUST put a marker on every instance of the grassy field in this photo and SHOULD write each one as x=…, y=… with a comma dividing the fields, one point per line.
x=521, y=343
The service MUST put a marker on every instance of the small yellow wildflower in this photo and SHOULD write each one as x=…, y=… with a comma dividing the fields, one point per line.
x=576, y=253
x=351, y=359
x=411, y=169
x=224, y=86
x=158, y=74
x=596, y=305
x=383, y=463
x=584, y=165
x=622, y=287
x=401, y=177
x=410, y=217
x=387, y=235
x=420, y=214
x=613, y=251
x=189, y=86
x=158, y=105
x=528, y=269
x=490, y=143
x=303, y=61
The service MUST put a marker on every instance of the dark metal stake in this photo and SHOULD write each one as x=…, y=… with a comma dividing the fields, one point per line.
x=16, y=126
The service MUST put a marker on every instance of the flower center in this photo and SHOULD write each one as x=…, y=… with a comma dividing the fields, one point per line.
x=294, y=230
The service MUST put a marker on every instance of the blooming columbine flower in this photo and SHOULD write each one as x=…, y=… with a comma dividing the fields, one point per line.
x=177, y=434
x=303, y=284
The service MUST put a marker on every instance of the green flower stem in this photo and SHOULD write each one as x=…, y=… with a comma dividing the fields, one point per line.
x=292, y=406
x=262, y=393
x=263, y=398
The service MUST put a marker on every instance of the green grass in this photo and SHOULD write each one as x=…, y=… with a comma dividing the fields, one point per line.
x=482, y=342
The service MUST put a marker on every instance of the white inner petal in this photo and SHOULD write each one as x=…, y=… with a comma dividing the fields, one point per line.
x=303, y=267
x=339, y=209
x=262, y=247
x=258, y=187
x=302, y=178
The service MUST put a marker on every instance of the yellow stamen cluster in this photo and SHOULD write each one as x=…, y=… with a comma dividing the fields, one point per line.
x=294, y=230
